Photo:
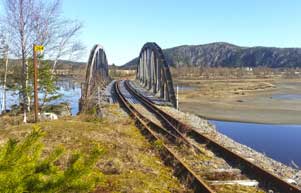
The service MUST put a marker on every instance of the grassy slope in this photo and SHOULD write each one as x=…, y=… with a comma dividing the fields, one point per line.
x=129, y=162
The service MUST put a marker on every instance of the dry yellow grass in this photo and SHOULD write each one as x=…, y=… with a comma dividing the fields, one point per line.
x=224, y=88
x=243, y=100
x=129, y=162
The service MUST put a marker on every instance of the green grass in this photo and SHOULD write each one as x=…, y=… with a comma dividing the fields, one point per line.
x=129, y=163
x=24, y=169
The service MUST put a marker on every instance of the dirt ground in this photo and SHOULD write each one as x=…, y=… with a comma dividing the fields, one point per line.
x=274, y=101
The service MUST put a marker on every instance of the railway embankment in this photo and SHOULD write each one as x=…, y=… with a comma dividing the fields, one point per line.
x=203, y=126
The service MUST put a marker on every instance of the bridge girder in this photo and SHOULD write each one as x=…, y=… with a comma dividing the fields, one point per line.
x=97, y=71
x=97, y=77
x=153, y=72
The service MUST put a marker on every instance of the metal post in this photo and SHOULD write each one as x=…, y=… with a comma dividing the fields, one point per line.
x=36, y=102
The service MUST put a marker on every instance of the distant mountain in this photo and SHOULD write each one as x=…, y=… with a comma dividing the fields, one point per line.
x=71, y=63
x=60, y=63
x=229, y=55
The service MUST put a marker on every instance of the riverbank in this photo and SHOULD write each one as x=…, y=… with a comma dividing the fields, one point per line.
x=68, y=88
x=203, y=126
x=266, y=138
x=272, y=101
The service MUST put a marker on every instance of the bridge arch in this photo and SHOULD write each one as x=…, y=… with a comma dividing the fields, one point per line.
x=153, y=72
x=97, y=71
x=97, y=76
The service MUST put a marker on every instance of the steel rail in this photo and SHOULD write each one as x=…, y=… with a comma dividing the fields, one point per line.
x=264, y=177
x=169, y=126
x=182, y=171
x=182, y=127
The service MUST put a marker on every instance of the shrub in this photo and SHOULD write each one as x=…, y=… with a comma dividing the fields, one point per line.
x=24, y=169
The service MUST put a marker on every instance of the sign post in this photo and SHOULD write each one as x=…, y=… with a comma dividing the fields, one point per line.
x=178, y=97
x=36, y=48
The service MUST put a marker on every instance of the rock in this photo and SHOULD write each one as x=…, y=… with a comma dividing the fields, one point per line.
x=61, y=110
x=47, y=116
x=204, y=127
x=111, y=167
x=233, y=182
x=291, y=181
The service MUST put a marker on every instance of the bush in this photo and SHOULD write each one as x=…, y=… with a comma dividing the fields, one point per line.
x=23, y=169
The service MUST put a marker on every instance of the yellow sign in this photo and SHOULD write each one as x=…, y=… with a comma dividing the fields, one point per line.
x=38, y=48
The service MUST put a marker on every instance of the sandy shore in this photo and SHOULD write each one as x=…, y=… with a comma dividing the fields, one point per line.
x=244, y=101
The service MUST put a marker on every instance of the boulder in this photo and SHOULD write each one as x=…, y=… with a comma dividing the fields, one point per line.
x=47, y=116
x=61, y=110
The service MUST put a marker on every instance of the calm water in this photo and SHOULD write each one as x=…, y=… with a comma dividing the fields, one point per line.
x=280, y=142
x=69, y=89
x=287, y=96
x=185, y=88
x=71, y=93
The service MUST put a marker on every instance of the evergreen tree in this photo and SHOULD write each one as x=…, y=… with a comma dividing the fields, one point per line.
x=23, y=169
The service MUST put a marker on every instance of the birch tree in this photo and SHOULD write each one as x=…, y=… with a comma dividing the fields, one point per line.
x=37, y=22
x=4, y=53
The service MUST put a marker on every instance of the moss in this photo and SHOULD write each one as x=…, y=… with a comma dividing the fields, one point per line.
x=158, y=144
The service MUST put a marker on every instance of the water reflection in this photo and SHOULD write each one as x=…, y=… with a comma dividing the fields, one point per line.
x=68, y=88
x=71, y=92
x=12, y=97
x=280, y=142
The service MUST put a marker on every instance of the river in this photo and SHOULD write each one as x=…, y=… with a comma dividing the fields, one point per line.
x=280, y=142
x=68, y=88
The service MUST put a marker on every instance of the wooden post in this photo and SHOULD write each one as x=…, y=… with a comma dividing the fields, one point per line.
x=177, y=97
x=36, y=98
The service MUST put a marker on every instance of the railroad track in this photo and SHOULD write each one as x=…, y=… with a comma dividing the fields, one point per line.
x=172, y=133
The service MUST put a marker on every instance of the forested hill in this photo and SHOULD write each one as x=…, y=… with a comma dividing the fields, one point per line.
x=229, y=55
x=60, y=64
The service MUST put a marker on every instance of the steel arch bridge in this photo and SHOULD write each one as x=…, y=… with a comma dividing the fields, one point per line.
x=153, y=72
x=97, y=75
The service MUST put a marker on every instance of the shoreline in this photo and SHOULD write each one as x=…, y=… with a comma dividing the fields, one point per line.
x=232, y=113
x=234, y=102
x=209, y=129
x=244, y=121
x=205, y=127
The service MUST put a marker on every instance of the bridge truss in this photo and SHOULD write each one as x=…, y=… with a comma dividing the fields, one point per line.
x=153, y=72
x=97, y=76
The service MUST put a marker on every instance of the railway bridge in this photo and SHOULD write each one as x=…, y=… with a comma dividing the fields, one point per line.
x=152, y=72
x=200, y=161
x=97, y=77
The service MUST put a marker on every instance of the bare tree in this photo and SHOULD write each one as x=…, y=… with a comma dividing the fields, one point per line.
x=4, y=53
x=64, y=42
x=37, y=22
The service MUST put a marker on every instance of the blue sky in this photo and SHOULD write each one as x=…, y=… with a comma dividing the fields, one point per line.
x=123, y=26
